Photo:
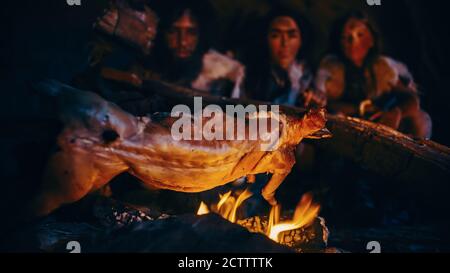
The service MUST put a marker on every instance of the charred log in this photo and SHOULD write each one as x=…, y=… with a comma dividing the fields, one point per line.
x=187, y=233
x=386, y=151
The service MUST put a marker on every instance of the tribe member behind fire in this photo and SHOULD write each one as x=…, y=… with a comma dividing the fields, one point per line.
x=168, y=41
x=279, y=73
x=359, y=81
x=183, y=52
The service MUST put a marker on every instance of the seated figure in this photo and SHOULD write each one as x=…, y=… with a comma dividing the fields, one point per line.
x=360, y=81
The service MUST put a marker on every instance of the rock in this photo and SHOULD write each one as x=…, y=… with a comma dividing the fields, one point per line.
x=186, y=233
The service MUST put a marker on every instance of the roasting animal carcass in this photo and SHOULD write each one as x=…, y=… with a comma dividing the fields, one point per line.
x=100, y=141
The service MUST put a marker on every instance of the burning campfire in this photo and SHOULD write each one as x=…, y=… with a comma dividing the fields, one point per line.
x=303, y=227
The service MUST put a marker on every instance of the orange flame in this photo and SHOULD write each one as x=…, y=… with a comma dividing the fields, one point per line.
x=203, y=209
x=227, y=205
x=304, y=215
x=242, y=197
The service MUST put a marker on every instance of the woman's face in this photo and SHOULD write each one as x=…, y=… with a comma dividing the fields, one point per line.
x=182, y=37
x=284, y=40
x=356, y=41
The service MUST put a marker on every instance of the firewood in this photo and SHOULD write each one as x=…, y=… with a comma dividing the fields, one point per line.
x=310, y=238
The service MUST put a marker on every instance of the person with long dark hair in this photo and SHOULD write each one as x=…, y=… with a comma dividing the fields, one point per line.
x=278, y=71
x=169, y=40
x=360, y=81
x=184, y=52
